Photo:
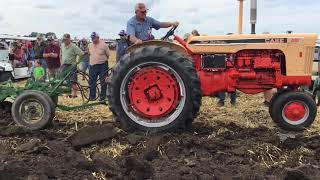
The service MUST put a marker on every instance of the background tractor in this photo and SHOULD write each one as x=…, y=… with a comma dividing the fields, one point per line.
x=158, y=85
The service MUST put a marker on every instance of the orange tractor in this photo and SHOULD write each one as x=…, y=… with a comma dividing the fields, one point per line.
x=158, y=85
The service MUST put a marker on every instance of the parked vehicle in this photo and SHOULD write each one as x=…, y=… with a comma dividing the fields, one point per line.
x=7, y=72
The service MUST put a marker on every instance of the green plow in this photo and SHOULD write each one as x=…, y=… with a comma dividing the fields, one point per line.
x=42, y=98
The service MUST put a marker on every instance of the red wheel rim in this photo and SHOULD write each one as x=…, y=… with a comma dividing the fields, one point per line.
x=295, y=111
x=153, y=93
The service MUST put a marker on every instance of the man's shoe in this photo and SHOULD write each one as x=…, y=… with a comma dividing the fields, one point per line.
x=92, y=99
x=220, y=104
x=103, y=99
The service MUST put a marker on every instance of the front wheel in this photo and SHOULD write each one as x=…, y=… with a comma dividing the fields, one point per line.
x=154, y=89
x=293, y=111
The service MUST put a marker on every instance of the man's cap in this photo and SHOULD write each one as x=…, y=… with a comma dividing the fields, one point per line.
x=83, y=40
x=66, y=36
x=122, y=33
x=94, y=35
x=50, y=38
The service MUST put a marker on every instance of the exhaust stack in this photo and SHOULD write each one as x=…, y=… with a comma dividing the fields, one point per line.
x=240, y=16
x=253, y=16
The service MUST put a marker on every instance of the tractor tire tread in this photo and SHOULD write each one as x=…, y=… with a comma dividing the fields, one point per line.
x=178, y=60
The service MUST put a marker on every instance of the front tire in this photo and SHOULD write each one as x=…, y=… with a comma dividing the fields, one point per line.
x=33, y=110
x=293, y=111
x=154, y=89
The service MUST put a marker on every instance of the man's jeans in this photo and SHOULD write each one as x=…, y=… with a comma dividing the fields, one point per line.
x=84, y=66
x=95, y=71
x=222, y=97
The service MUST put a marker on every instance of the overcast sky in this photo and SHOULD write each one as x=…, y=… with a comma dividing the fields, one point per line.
x=108, y=17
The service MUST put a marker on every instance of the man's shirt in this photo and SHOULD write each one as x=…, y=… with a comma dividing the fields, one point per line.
x=142, y=30
x=53, y=63
x=39, y=49
x=99, y=53
x=39, y=73
x=122, y=46
x=69, y=53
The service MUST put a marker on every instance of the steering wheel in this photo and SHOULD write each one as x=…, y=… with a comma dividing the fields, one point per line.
x=169, y=33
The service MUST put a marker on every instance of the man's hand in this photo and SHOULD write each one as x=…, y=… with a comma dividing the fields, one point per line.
x=175, y=24
x=54, y=55
x=138, y=41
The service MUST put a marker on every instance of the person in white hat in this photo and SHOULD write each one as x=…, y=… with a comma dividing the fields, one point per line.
x=139, y=27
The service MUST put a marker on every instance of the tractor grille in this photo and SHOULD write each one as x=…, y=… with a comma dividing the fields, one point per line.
x=309, y=57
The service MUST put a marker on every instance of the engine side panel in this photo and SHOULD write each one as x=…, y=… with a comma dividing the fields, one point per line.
x=249, y=71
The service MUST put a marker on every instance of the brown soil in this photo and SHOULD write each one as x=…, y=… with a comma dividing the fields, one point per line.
x=232, y=143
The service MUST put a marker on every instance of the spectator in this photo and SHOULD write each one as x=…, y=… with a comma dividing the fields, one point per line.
x=38, y=72
x=139, y=27
x=186, y=37
x=195, y=33
x=30, y=51
x=52, y=57
x=39, y=49
x=122, y=45
x=83, y=44
x=70, y=54
x=99, y=53
x=18, y=55
x=222, y=98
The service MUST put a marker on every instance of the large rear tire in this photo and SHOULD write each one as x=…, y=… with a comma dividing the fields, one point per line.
x=33, y=110
x=154, y=89
x=293, y=111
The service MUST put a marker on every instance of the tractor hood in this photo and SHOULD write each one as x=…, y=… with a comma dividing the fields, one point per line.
x=211, y=44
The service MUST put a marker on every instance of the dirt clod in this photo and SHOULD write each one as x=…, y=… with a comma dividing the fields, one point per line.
x=296, y=175
x=105, y=163
x=5, y=175
x=37, y=177
x=12, y=131
x=137, y=169
x=90, y=135
x=133, y=139
x=29, y=146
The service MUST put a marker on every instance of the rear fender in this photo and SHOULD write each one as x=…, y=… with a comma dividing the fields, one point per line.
x=171, y=45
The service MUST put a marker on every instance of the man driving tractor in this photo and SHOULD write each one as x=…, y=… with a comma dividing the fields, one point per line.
x=139, y=27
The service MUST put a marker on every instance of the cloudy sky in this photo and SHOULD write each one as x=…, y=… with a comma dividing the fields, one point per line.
x=108, y=17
